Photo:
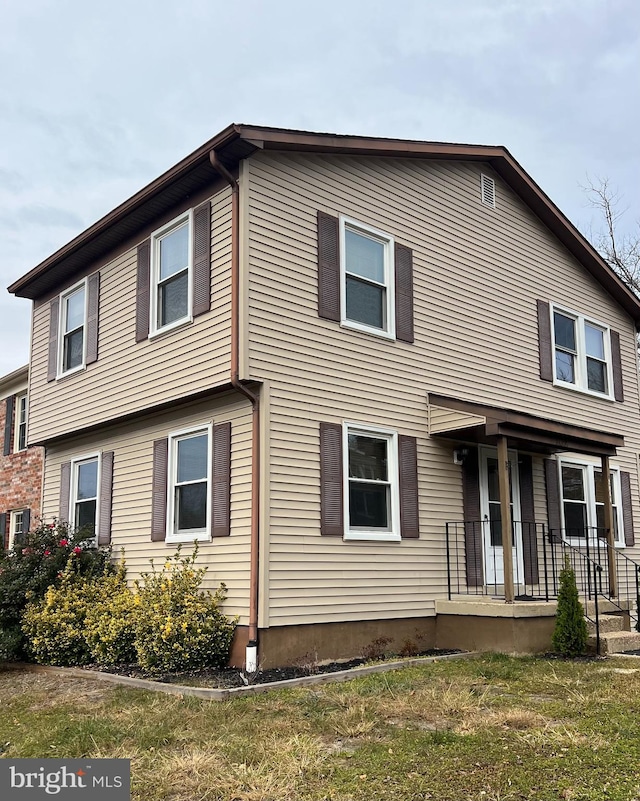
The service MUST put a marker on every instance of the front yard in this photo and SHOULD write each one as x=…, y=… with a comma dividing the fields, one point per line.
x=487, y=729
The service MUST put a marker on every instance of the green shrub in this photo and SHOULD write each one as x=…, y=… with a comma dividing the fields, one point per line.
x=34, y=565
x=110, y=622
x=178, y=626
x=570, y=633
x=54, y=625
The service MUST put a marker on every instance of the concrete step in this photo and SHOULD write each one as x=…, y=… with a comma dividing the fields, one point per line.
x=607, y=623
x=616, y=642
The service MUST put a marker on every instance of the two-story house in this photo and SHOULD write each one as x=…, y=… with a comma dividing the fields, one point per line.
x=366, y=375
x=20, y=466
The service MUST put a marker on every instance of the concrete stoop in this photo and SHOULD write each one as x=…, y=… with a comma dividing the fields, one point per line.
x=615, y=637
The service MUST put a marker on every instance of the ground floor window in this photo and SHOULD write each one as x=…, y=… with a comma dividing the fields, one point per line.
x=371, y=483
x=16, y=527
x=84, y=493
x=582, y=491
x=189, y=485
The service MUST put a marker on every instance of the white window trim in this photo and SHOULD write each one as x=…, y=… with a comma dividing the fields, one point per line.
x=590, y=498
x=12, y=526
x=581, y=353
x=394, y=535
x=154, y=330
x=62, y=373
x=73, y=487
x=16, y=421
x=389, y=279
x=201, y=535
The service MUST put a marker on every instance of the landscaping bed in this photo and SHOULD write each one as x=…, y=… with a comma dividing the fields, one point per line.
x=228, y=678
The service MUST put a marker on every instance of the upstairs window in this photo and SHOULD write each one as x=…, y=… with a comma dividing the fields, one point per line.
x=367, y=267
x=20, y=427
x=582, y=353
x=73, y=314
x=171, y=260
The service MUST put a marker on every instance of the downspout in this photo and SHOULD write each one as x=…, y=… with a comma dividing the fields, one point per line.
x=251, y=656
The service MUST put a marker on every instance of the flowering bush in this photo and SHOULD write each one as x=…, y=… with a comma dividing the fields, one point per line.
x=177, y=625
x=110, y=622
x=54, y=625
x=34, y=565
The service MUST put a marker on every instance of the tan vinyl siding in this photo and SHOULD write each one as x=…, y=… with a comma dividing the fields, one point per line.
x=227, y=558
x=442, y=420
x=478, y=272
x=129, y=375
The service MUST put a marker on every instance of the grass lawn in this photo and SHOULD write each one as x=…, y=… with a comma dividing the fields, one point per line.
x=489, y=728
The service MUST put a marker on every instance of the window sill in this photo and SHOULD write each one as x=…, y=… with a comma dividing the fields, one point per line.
x=372, y=536
x=187, y=538
x=168, y=329
x=583, y=391
x=582, y=545
x=364, y=329
x=69, y=373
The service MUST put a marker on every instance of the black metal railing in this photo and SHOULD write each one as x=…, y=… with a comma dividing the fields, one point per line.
x=475, y=564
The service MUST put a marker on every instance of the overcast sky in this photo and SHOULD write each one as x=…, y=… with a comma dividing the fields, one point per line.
x=98, y=98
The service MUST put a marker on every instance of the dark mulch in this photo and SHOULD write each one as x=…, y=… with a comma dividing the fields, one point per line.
x=226, y=678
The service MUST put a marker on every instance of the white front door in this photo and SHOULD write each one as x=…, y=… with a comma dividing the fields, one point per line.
x=492, y=518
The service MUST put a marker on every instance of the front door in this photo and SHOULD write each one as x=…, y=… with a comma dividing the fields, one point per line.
x=492, y=518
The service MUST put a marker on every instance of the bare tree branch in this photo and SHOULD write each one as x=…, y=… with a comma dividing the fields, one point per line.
x=620, y=251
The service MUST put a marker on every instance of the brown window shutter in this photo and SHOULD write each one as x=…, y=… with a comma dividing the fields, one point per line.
x=159, y=490
x=26, y=520
x=616, y=364
x=93, y=301
x=143, y=283
x=408, y=468
x=328, y=267
x=10, y=405
x=404, y=293
x=545, y=348
x=221, y=486
x=3, y=530
x=554, y=516
x=202, y=259
x=106, y=493
x=528, y=516
x=65, y=487
x=627, y=508
x=54, y=322
x=472, y=522
x=331, y=505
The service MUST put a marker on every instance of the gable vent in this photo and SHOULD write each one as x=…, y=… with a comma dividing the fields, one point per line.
x=488, y=191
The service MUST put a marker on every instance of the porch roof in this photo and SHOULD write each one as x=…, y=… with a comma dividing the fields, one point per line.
x=459, y=419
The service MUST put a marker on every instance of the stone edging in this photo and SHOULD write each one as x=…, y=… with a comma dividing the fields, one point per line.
x=212, y=694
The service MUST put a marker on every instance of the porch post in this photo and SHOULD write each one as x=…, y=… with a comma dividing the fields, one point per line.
x=505, y=514
x=609, y=527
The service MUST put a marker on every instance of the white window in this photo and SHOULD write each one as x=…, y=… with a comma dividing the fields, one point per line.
x=73, y=321
x=84, y=493
x=189, y=485
x=367, y=276
x=171, y=274
x=371, y=496
x=582, y=353
x=582, y=494
x=16, y=528
x=20, y=424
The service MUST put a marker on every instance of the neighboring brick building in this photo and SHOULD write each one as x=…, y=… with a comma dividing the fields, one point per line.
x=20, y=466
